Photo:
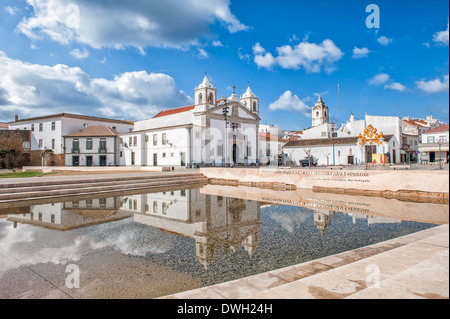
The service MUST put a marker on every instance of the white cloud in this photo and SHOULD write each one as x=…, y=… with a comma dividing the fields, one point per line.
x=77, y=53
x=360, y=53
x=11, y=10
x=434, y=86
x=441, y=37
x=258, y=49
x=202, y=54
x=217, y=43
x=32, y=90
x=310, y=56
x=396, y=86
x=290, y=102
x=244, y=56
x=379, y=79
x=384, y=40
x=135, y=23
x=265, y=61
x=383, y=78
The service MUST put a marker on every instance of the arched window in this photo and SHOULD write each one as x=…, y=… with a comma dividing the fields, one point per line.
x=211, y=98
x=317, y=114
x=254, y=106
x=200, y=98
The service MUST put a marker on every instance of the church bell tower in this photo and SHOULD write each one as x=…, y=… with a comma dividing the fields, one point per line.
x=320, y=114
x=205, y=96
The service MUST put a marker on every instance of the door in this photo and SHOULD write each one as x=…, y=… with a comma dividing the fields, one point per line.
x=155, y=159
x=133, y=158
x=234, y=153
x=432, y=157
x=183, y=159
x=102, y=160
x=75, y=161
x=89, y=161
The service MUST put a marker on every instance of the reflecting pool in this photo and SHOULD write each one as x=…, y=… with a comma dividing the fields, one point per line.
x=148, y=245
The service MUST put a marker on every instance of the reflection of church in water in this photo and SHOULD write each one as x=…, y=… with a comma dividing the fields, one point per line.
x=214, y=222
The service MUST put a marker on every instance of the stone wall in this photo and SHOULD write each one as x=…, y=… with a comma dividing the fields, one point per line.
x=12, y=152
x=425, y=181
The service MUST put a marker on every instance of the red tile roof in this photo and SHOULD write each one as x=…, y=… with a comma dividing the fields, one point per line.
x=270, y=137
x=439, y=129
x=178, y=110
x=175, y=111
x=4, y=125
x=95, y=131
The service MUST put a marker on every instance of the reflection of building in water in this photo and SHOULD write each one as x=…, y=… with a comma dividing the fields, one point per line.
x=213, y=221
x=322, y=218
x=71, y=215
x=374, y=219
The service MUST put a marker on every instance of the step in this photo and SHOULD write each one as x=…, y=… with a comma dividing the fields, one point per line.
x=88, y=183
x=101, y=189
x=45, y=182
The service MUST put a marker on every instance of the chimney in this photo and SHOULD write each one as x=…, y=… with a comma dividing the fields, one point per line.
x=16, y=118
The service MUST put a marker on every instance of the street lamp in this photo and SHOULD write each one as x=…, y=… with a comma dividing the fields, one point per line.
x=225, y=114
x=333, y=135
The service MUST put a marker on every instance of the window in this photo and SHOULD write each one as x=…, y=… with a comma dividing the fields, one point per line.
x=146, y=138
x=75, y=145
x=53, y=143
x=103, y=145
x=121, y=154
x=41, y=127
x=41, y=143
x=164, y=139
x=89, y=144
x=235, y=126
x=430, y=139
x=443, y=139
x=134, y=140
x=164, y=208
x=197, y=134
x=200, y=98
x=164, y=155
x=32, y=127
x=155, y=207
x=211, y=98
x=130, y=141
x=53, y=126
x=249, y=149
x=254, y=106
x=155, y=139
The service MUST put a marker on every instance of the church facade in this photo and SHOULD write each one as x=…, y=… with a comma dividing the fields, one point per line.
x=212, y=132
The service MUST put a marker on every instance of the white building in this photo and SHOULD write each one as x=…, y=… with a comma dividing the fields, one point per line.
x=434, y=146
x=92, y=146
x=339, y=146
x=197, y=134
x=47, y=132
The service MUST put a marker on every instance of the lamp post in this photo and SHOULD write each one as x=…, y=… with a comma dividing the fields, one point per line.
x=440, y=159
x=225, y=114
x=333, y=128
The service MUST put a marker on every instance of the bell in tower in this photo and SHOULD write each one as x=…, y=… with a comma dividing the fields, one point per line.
x=320, y=114
x=205, y=96
x=250, y=100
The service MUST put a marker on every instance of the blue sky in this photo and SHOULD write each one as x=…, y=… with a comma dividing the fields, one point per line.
x=132, y=59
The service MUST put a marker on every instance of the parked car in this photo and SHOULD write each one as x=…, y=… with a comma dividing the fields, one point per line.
x=306, y=162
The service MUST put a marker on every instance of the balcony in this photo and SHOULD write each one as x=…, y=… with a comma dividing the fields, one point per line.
x=434, y=147
x=102, y=151
x=75, y=151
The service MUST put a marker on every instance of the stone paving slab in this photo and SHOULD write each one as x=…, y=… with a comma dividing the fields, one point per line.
x=415, y=266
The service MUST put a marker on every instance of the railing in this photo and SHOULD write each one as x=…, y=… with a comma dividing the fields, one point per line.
x=102, y=151
x=75, y=150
